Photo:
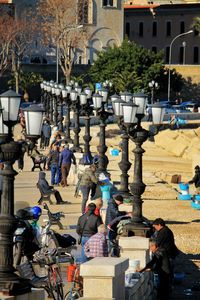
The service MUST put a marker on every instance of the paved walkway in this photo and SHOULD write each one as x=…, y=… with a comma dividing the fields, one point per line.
x=159, y=201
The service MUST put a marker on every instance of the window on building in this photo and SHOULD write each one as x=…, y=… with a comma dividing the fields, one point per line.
x=181, y=51
x=141, y=29
x=154, y=49
x=127, y=29
x=154, y=28
x=85, y=11
x=196, y=55
x=182, y=27
x=168, y=28
x=167, y=55
x=109, y=3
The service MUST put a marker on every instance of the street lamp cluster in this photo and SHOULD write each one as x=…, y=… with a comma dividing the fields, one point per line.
x=130, y=110
x=83, y=103
x=9, y=153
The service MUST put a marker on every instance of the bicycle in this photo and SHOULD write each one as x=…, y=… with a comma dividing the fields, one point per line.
x=76, y=289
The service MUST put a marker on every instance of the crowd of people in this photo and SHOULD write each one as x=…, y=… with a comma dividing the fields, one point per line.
x=99, y=225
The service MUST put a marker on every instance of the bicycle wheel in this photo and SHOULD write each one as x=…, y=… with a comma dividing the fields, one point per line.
x=72, y=295
x=55, y=286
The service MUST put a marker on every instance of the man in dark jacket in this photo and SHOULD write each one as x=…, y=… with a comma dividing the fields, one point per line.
x=165, y=238
x=48, y=189
x=66, y=158
x=46, y=132
x=87, y=226
x=196, y=179
x=53, y=163
x=112, y=211
x=160, y=265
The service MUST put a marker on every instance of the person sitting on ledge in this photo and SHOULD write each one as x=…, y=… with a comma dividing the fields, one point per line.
x=48, y=189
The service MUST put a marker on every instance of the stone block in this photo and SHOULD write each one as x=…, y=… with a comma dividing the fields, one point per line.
x=178, y=146
x=134, y=242
x=38, y=294
x=104, y=277
x=126, y=207
x=141, y=255
x=103, y=266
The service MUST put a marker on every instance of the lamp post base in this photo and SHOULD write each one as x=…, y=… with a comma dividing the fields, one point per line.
x=137, y=229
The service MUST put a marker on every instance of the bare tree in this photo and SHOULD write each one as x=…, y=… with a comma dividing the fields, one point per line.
x=61, y=26
x=6, y=39
x=22, y=40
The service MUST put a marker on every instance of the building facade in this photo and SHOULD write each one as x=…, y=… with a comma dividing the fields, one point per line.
x=154, y=26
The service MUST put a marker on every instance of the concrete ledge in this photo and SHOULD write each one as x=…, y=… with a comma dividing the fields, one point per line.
x=36, y=294
x=104, y=267
x=134, y=242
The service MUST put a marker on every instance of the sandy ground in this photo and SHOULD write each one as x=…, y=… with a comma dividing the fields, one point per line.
x=160, y=200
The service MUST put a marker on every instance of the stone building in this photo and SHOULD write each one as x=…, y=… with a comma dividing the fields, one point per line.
x=154, y=25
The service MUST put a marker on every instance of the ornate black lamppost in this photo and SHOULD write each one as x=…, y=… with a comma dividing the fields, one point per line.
x=48, y=89
x=33, y=119
x=132, y=119
x=76, y=108
x=10, y=283
x=42, y=91
x=86, y=111
x=103, y=116
x=52, y=99
x=60, y=105
x=124, y=163
x=67, y=101
x=56, y=101
x=126, y=96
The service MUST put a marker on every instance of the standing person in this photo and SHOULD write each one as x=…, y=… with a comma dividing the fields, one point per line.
x=53, y=164
x=97, y=246
x=46, y=132
x=48, y=189
x=196, y=179
x=88, y=183
x=1, y=182
x=65, y=160
x=23, y=144
x=160, y=265
x=112, y=211
x=87, y=226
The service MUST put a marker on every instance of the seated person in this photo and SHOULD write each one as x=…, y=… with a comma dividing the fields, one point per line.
x=48, y=189
x=38, y=157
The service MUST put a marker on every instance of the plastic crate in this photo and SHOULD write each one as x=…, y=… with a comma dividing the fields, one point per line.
x=183, y=186
x=184, y=197
x=197, y=197
x=195, y=205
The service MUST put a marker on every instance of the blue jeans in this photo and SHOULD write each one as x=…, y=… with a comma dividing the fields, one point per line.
x=83, y=256
x=54, y=174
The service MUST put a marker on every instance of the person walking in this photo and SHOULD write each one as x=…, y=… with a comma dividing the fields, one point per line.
x=65, y=160
x=53, y=164
x=97, y=245
x=48, y=189
x=88, y=184
x=46, y=133
x=87, y=226
x=160, y=265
